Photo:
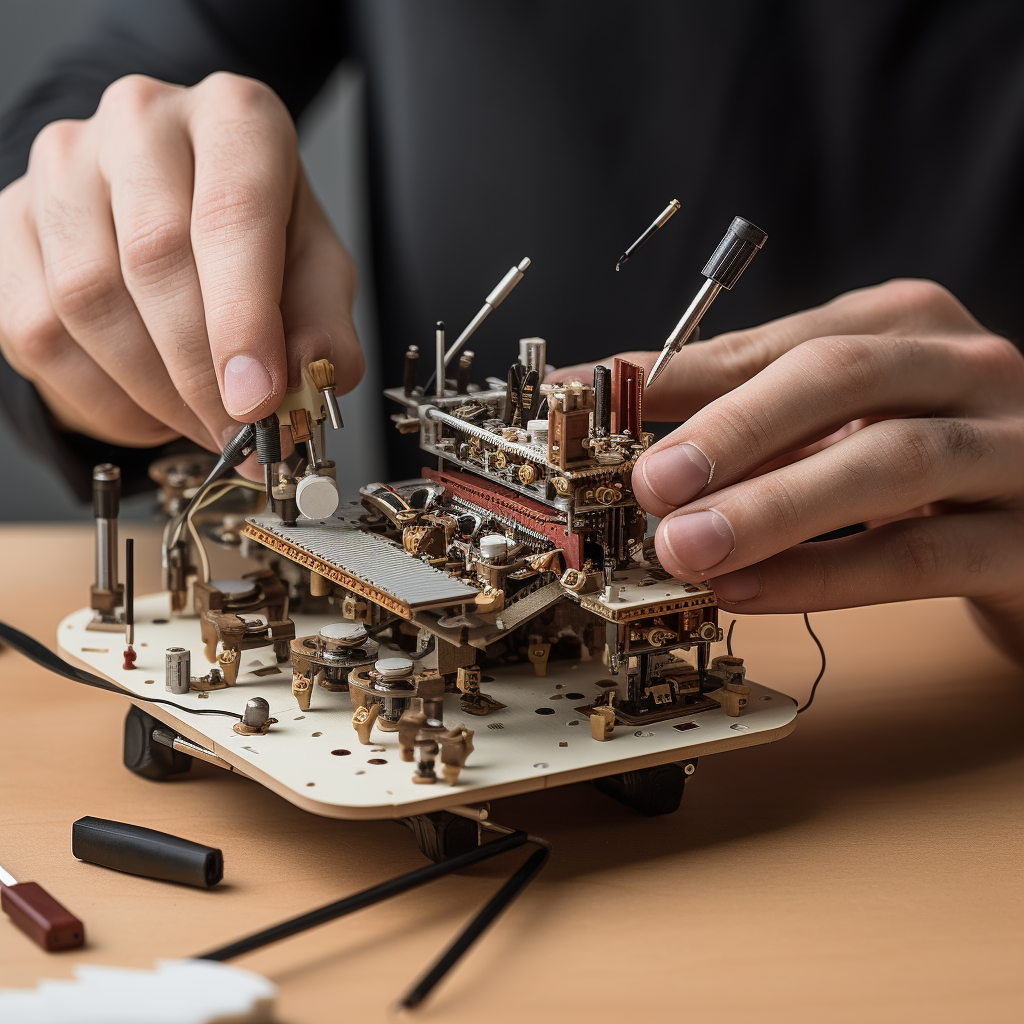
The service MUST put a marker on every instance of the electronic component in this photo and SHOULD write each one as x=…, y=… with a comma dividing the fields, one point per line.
x=143, y=851
x=107, y=594
x=177, y=669
x=45, y=921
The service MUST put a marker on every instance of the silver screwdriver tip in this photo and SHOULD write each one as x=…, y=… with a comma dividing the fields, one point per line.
x=659, y=366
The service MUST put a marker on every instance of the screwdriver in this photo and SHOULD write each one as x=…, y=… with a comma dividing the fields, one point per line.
x=723, y=270
x=39, y=915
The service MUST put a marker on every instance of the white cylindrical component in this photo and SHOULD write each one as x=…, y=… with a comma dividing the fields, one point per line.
x=493, y=547
x=178, y=669
x=533, y=354
x=317, y=497
x=390, y=668
x=538, y=430
x=506, y=284
x=344, y=632
x=441, y=361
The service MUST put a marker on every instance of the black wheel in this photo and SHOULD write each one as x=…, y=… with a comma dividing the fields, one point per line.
x=650, y=791
x=441, y=834
x=143, y=755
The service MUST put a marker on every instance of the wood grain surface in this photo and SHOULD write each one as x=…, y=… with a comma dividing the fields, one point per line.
x=868, y=867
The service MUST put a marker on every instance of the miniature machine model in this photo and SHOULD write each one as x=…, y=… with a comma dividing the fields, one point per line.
x=498, y=625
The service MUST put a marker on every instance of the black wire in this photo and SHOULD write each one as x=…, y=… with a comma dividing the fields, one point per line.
x=35, y=651
x=728, y=639
x=367, y=897
x=497, y=903
x=814, y=688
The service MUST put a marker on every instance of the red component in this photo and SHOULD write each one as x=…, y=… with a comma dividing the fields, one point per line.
x=41, y=917
x=531, y=514
x=627, y=397
x=129, y=658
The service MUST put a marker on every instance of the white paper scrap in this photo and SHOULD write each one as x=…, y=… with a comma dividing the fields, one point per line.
x=174, y=992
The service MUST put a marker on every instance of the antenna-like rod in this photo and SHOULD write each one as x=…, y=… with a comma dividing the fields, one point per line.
x=493, y=301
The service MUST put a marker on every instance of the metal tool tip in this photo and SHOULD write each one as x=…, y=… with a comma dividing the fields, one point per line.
x=524, y=263
x=622, y=259
x=440, y=325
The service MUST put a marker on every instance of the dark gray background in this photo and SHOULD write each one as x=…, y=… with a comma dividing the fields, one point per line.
x=31, y=31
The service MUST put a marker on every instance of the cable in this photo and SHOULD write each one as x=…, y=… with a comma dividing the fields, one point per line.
x=728, y=639
x=35, y=651
x=814, y=687
x=214, y=493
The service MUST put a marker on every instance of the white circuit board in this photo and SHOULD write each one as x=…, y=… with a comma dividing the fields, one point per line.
x=314, y=759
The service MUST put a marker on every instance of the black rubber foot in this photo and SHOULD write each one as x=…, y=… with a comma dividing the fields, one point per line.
x=650, y=791
x=441, y=834
x=143, y=755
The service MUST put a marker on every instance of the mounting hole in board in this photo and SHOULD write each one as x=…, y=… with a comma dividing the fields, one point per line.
x=574, y=696
x=317, y=734
x=541, y=764
x=341, y=752
x=545, y=711
x=377, y=760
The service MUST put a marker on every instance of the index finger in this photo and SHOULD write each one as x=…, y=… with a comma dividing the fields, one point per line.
x=246, y=168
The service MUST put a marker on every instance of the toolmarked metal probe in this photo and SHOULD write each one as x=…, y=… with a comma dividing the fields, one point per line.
x=659, y=222
x=723, y=270
x=493, y=301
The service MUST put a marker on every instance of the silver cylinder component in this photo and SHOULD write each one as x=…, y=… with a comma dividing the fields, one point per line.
x=106, y=506
x=178, y=669
x=106, y=554
x=533, y=354
x=256, y=713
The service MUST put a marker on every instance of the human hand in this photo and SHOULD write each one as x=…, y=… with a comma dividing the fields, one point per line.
x=890, y=406
x=165, y=268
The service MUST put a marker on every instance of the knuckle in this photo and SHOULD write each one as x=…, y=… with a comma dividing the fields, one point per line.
x=132, y=96
x=995, y=357
x=84, y=290
x=233, y=203
x=851, y=363
x=918, y=555
x=741, y=430
x=237, y=96
x=54, y=143
x=156, y=245
x=964, y=442
x=34, y=337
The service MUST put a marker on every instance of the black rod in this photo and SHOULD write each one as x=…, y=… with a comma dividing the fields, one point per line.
x=129, y=582
x=366, y=898
x=499, y=902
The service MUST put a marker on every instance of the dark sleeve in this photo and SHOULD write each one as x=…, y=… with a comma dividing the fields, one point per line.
x=292, y=45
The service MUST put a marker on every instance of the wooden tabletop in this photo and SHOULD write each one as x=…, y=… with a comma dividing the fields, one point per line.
x=866, y=868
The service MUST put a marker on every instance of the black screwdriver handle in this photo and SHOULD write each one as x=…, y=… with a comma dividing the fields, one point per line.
x=734, y=252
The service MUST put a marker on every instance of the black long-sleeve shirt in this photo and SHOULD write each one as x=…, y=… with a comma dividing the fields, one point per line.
x=870, y=138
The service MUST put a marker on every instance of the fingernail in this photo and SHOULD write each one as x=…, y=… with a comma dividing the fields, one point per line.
x=676, y=474
x=699, y=540
x=741, y=585
x=247, y=384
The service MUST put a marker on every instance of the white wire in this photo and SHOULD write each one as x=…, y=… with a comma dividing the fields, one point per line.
x=216, y=491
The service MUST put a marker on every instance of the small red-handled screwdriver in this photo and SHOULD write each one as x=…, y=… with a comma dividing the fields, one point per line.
x=39, y=915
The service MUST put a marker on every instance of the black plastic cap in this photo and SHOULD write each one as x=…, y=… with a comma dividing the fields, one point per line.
x=734, y=252
x=268, y=440
x=144, y=851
